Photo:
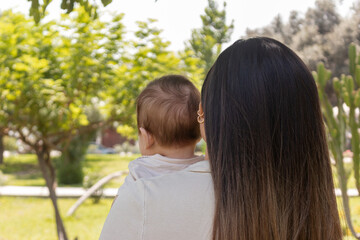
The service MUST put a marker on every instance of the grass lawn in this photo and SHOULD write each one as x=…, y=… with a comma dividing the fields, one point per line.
x=355, y=214
x=23, y=170
x=33, y=219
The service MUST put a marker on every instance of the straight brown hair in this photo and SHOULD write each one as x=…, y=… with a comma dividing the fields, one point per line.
x=167, y=107
x=267, y=146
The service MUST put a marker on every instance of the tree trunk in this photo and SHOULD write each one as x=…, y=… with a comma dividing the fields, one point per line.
x=48, y=172
x=1, y=149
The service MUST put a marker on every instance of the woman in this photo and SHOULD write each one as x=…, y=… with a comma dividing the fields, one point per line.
x=266, y=145
x=268, y=173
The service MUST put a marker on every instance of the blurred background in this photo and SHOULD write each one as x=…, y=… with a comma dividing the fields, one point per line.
x=70, y=72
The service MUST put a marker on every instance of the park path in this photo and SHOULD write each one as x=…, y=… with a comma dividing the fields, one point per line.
x=75, y=192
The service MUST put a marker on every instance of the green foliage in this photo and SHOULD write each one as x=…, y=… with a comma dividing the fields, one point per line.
x=48, y=79
x=37, y=9
x=345, y=121
x=206, y=42
x=148, y=58
x=70, y=172
x=23, y=170
x=52, y=73
x=352, y=58
x=10, y=143
x=201, y=147
x=190, y=65
x=69, y=167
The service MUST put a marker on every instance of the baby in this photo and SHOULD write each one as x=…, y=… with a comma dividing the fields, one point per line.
x=168, y=132
x=168, y=127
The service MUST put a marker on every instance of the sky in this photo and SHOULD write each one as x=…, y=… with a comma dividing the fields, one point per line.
x=178, y=17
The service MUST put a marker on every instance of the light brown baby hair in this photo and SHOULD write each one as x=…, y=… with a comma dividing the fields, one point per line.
x=167, y=109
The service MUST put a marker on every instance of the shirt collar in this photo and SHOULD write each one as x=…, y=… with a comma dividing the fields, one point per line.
x=202, y=166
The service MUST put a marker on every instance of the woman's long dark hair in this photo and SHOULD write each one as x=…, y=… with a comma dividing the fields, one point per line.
x=267, y=146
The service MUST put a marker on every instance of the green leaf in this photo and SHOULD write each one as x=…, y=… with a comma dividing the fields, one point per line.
x=21, y=67
x=127, y=130
x=352, y=59
x=10, y=97
x=349, y=82
x=106, y=2
x=357, y=75
x=357, y=98
x=75, y=110
x=83, y=120
x=321, y=74
x=337, y=85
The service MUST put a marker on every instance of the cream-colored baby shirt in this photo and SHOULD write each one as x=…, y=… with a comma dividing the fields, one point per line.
x=156, y=165
x=174, y=206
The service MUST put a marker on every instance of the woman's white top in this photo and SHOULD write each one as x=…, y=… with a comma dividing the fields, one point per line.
x=175, y=205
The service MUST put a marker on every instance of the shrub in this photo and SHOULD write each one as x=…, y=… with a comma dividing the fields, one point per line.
x=70, y=172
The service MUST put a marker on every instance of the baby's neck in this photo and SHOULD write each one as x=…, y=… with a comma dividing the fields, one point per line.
x=183, y=152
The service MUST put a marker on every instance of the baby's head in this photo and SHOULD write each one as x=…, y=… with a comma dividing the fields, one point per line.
x=166, y=113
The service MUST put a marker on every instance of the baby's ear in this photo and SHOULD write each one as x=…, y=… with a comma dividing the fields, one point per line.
x=147, y=137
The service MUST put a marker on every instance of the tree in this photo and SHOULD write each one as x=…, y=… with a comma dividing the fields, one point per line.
x=295, y=23
x=206, y=42
x=22, y=97
x=48, y=80
x=69, y=167
x=148, y=58
x=37, y=9
x=189, y=65
x=87, y=62
x=12, y=34
x=324, y=16
x=320, y=35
